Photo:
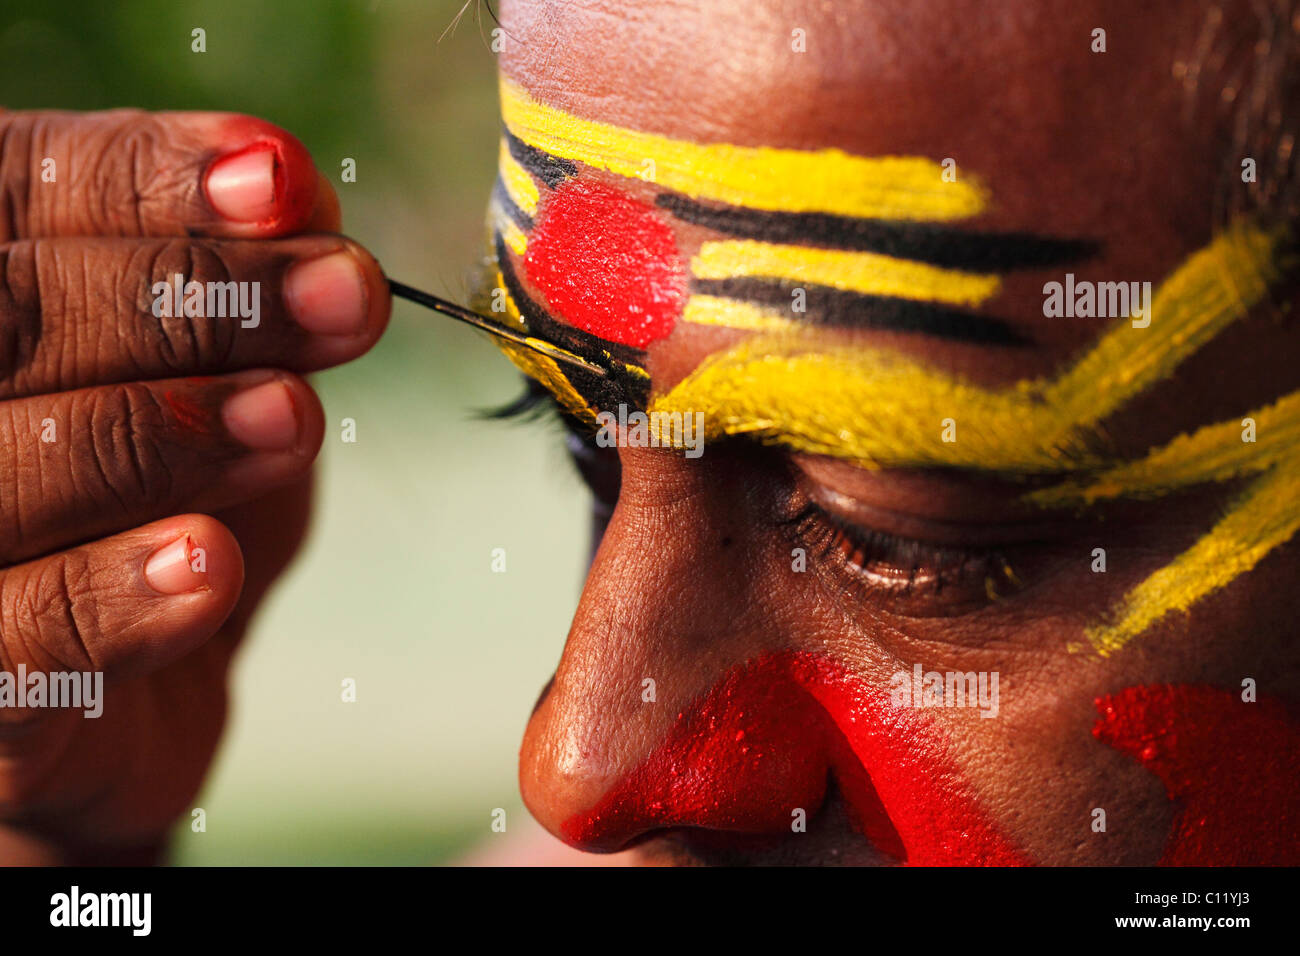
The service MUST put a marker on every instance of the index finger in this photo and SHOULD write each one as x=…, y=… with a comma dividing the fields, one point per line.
x=134, y=173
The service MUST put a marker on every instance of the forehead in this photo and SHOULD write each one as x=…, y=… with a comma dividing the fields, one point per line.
x=1104, y=147
x=1018, y=99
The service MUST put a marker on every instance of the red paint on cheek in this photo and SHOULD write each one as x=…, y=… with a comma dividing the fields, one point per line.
x=763, y=743
x=1233, y=769
x=606, y=263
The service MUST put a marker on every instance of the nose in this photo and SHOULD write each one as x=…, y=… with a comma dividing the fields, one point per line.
x=697, y=690
x=667, y=708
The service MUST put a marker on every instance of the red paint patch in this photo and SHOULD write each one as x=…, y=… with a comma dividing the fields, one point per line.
x=188, y=412
x=764, y=741
x=1233, y=768
x=606, y=263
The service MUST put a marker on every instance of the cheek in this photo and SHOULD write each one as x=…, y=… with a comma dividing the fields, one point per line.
x=1231, y=767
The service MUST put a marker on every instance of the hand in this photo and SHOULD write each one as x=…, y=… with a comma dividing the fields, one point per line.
x=124, y=423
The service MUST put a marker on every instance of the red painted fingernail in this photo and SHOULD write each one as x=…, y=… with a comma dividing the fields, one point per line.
x=242, y=187
x=169, y=570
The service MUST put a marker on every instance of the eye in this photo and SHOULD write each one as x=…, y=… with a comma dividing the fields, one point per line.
x=903, y=575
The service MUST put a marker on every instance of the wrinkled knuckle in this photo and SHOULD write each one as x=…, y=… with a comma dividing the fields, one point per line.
x=24, y=141
x=51, y=616
x=20, y=313
x=184, y=330
x=124, y=431
x=131, y=170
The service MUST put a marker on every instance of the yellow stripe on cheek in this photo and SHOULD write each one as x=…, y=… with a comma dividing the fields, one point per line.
x=762, y=177
x=1265, y=517
x=881, y=409
x=865, y=272
x=1214, y=453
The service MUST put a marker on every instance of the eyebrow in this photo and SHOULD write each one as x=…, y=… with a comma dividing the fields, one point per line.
x=878, y=408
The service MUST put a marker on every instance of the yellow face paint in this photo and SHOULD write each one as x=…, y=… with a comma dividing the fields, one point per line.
x=1262, y=517
x=510, y=233
x=736, y=314
x=881, y=409
x=544, y=370
x=865, y=272
x=518, y=184
x=789, y=180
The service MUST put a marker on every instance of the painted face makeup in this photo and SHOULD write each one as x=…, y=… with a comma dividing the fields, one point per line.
x=868, y=243
x=607, y=263
x=859, y=238
x=881, y=409
x=874, y=407
x=1229, y=766
x=740, y=762
x=737, y=763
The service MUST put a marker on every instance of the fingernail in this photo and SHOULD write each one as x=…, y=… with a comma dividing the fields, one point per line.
x=168, y=569
x=262, y=417
x=242, y=187
x=327, y=296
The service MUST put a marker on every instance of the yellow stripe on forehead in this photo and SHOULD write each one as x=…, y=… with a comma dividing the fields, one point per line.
x=881, y=409
x=762, y=177
x=866, y=272
x=519, y=185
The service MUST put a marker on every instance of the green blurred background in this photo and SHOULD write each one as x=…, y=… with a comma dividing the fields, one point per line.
x=394, y=588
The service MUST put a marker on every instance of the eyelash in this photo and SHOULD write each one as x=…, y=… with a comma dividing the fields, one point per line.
x=910, y=574
x=913, y=576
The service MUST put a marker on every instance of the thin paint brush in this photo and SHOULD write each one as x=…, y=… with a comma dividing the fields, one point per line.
x=492, y=328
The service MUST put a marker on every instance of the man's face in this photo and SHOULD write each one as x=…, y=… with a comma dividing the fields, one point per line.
x=964, y=570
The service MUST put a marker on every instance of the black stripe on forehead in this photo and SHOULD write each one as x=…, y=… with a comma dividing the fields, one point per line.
x=933, y=244
x=854, y=310
x=549, y=169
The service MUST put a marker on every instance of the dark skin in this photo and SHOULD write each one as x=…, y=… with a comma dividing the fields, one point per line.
x=144, y=450
x=1072, y=144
